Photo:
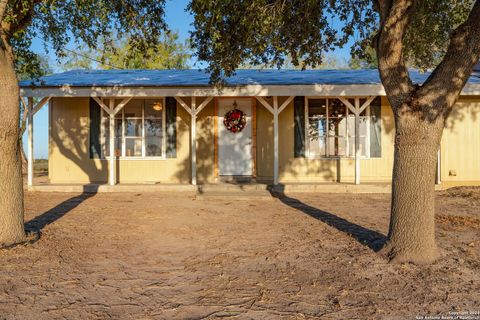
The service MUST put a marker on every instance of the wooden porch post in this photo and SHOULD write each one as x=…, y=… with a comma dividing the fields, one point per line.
x=29, y=110
x=438, y=179
x=275, y=110
x=357, y=141
x=275, y=140
x=111, y=175
x=193, y=140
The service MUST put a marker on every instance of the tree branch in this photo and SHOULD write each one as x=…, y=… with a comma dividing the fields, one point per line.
x=462, y=55
x=25, y=15
x=383, y=8
x=396, y=16
x=3, y=8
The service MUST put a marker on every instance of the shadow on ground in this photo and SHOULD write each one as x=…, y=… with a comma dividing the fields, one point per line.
x=57, y=212
x=368, y=237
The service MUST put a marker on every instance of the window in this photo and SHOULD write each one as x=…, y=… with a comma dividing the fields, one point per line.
x=330, y=129
x=139, y=130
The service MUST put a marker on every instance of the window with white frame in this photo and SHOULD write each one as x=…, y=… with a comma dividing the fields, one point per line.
x=139, y=130
x=330, y=128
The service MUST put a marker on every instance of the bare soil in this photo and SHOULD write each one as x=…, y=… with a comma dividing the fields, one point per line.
x=170, y=256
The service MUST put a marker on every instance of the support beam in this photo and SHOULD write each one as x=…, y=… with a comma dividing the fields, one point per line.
x=350, y=106
x=357, y=109
x=122, y=104
x=286, y=103
x=193, y=141
x=39, y=105
x=193, y=110
x=275, y=110
x=184, y=105
x=366, y=104
x=357, y=141
x=203, y=105
x=111, y=175
x=25, y=104
x=265, y=104
x=102, y=105
x=275, y=140
x=29, y=110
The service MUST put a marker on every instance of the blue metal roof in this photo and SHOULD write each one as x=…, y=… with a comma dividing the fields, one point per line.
x=199, y=78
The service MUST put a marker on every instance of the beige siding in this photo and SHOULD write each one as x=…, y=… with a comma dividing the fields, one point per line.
x=264, y=143
x=460, y=151
x=70, y=161
x=205, y=143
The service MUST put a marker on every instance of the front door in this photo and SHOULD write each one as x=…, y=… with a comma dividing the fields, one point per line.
x=235, y=148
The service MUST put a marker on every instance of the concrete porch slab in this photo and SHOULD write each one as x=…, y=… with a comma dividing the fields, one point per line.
x=333, y=187
x=99, y=188
x=218, y=190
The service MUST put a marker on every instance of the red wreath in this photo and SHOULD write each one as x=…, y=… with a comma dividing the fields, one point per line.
x=235, y=120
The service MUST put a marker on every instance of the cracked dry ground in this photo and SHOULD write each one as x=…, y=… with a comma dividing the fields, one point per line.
x=169, y=256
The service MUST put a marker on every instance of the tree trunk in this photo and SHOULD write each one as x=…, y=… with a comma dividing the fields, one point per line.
x=411, y=236
x=23, y=158
x=11, y=184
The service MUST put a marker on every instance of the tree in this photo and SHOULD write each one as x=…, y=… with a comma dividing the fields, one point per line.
x=439, y=34
x=169, y=53
x=57, y=23
x=367, y=60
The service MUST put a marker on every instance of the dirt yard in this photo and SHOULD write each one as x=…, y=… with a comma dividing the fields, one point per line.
x=307, y=256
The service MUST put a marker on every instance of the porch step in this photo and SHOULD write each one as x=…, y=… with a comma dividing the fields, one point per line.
x=231, y=187
x=233, y=192
x=235, y=196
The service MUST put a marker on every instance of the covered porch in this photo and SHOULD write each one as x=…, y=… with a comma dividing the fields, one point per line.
x=274, y=105
x=305, y=130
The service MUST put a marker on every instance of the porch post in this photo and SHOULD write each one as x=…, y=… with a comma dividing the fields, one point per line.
x=29, y=110
x=275, y=140
x=193, y=140
x=357, y=140
x=438, y=179
x=111, y=175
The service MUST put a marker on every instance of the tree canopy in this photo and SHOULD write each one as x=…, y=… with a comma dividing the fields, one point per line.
x=91, y=23
x=169, y=53
x=268, y=31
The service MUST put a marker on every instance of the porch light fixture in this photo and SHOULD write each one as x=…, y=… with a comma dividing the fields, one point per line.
x=157, y=106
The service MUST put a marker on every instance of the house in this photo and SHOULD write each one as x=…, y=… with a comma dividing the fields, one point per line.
x=272, y=126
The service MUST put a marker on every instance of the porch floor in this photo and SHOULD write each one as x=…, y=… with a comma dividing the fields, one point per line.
x=224, y=189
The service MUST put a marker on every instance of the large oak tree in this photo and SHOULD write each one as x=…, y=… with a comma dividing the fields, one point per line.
x=58, y=23
x=439, y=34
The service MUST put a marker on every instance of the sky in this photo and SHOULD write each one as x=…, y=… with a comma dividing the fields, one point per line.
x=178, y=20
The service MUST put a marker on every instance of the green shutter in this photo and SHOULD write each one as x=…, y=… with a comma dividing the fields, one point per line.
x=95, y=122
x=299, y=126
x=376, y=128
x=171, y=120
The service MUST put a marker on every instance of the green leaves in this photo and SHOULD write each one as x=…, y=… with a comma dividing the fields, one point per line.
x=169, y=53
x=264, y=32
x=89, y=22
x=228, y=33
x=429, y=33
